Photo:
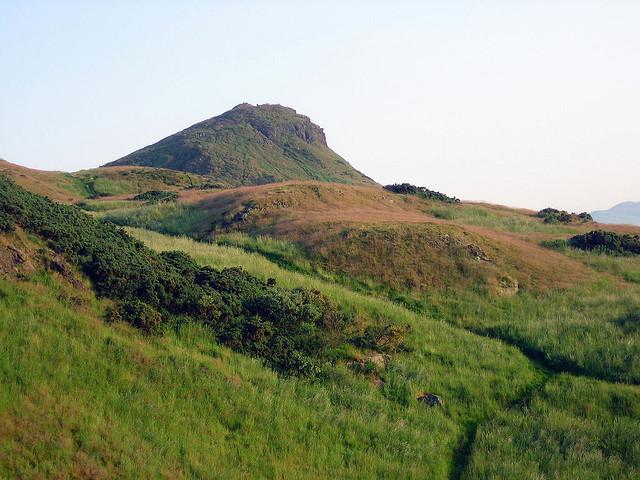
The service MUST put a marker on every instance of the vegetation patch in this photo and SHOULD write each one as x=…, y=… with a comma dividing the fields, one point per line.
x=156, y=196
x=291, y=329
x=574, y=428
x=607, y=242
x=422, y=192
x=551, y=215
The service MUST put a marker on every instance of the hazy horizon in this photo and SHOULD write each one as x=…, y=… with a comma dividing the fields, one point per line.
x=529, y=105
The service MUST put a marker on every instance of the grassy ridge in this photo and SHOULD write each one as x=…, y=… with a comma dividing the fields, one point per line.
x=573, y=428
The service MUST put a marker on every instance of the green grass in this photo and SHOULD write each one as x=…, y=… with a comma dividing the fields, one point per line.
x=625, y=267
x=84, y=399
x=574, y=428
x=508, y=221
x=169, y=218
x=577, y=329
x=477, y=374
x=104, y=205
x=88, y=399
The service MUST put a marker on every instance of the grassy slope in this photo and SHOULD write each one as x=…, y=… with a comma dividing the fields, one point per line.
x=87, y=399
x=573, y=428
x=359, y=231
x=101, y=182
x=82, y=399
x=250, y=145
x=579, y=328
x=562, y=432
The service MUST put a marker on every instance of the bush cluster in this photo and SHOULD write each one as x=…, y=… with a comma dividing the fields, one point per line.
x=293, y=330
x=552, y=215
x=157, y=196
x=422, y=192
x=607, y=242
x=386, y=338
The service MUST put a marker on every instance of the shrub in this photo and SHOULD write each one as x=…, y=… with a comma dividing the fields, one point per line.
x=551, y=215
x=607, y=242
x=138, y=314
x=157, y=196
x=6, y=223
x=383, y=338
x=422, y=192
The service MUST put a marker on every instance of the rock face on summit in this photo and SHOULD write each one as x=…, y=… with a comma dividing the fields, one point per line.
x=250, y=145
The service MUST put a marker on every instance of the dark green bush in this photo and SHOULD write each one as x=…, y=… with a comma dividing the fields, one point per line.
x=6, y=223
x=551, y=215
x=138, y=314
x=423, y=192
x=157, y=196
x=607, y=242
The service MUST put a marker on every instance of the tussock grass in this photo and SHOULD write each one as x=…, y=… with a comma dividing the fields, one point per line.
x=575, y=428
x=504, y=219
x=169, y=218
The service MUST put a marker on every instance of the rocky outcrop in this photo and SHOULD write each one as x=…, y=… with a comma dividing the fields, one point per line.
x=430, y=399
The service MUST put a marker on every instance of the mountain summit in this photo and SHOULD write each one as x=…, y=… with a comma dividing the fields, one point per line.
x=250, y=145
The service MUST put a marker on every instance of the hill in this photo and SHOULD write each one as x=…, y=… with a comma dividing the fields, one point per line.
x=369, y=234
x=185, y=383
x=112, y=182
x=626, y=213
x=250, y=145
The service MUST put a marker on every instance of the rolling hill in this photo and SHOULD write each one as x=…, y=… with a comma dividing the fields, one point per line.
x=305, y=329
x=626, y=213
x=143, y=355
x=250, y=145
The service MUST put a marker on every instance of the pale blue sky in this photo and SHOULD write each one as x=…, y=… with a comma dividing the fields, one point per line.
x=529, y=104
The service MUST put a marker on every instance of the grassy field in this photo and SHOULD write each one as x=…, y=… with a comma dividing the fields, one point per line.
x=497, y=218
x=582, y=329
x=84, y=398
x=521, y=375
x=565, y=408
x=574, y=428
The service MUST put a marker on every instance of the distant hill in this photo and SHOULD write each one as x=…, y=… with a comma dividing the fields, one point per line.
x=250, y=145
x=624, y=213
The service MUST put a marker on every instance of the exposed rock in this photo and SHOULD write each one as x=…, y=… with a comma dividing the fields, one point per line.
x=430, y=399
x=476, y=252
x=507, y=286
x=57, y=264
x=379, y=360
x=13, y=261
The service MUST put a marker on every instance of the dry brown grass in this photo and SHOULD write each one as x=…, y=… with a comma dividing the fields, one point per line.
x=55, y=185
x=369, y=232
